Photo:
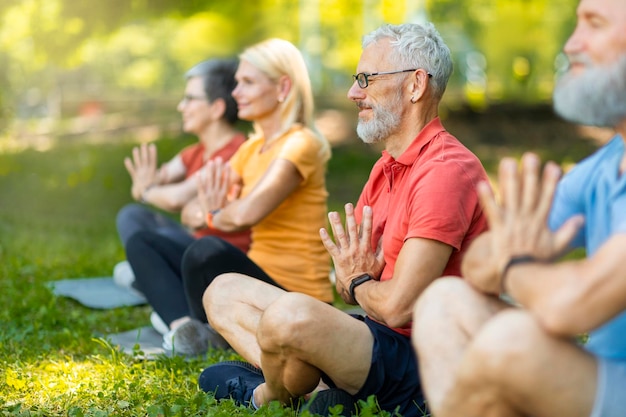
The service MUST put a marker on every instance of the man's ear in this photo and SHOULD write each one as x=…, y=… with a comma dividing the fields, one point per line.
x=284, y=87
x=419, y=84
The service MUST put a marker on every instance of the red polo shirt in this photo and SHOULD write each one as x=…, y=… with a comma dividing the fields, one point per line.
x=428, y=192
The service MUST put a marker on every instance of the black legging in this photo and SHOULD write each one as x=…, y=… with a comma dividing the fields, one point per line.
x=175, y=292
x=205, y=259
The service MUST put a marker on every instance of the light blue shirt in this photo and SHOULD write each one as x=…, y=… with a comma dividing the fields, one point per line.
x=595, y=189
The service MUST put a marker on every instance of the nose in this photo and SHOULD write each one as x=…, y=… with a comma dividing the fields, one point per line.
x=235, y=92
x=355, y=92
x=181, y=105
x=575, y=43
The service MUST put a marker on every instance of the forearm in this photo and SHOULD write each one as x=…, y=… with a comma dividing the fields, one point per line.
x=172, y=197
x=171, y=172
x=572, y=297
x=419, y=263
x=478, y=267
x=386, y=303
x=236, y=216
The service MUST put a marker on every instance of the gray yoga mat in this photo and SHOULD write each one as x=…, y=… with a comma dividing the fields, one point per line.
x=97, y=292
x=146, y=339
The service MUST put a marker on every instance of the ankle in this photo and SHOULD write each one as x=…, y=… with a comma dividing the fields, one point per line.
x=178, y=322
x=257, y=397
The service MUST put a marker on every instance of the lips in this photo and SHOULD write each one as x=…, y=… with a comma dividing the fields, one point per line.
x=363, y=108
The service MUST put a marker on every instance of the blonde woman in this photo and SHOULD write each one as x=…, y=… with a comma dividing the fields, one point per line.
x=274, y=186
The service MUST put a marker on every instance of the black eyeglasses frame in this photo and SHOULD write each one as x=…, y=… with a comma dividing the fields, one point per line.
x=362, y=78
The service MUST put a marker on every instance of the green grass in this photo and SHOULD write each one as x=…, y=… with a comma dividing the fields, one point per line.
x=57, y=210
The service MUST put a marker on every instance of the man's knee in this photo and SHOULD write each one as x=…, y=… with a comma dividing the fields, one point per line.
x=504, y=348
x=286, y=321
x=222, y=291
x=440, y=300
x=443, y=293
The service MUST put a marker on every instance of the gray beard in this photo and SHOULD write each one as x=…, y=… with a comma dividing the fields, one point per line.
x=382, y=125
x=595, y=97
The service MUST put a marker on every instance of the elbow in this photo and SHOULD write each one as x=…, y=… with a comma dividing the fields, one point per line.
x=561, y=316
x=395, y=316
x=243, y=219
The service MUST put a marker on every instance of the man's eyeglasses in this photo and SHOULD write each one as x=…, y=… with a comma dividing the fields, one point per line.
x=362, y=78
x=190, y=97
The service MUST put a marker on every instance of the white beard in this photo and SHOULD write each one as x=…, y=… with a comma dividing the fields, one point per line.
x=384, y=121
x=594, y=97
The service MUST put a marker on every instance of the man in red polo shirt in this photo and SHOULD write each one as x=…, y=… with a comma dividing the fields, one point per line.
x=415, y=217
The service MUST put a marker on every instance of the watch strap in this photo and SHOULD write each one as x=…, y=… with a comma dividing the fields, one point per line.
x=356, y=282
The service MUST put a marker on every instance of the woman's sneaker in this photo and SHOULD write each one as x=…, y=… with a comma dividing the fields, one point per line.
x=158, y=324
x=123, y=274
x=190, y=338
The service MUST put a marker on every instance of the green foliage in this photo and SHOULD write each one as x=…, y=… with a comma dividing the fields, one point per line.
x=519, y=39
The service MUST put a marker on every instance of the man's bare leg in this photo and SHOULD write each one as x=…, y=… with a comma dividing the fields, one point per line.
x=299, y=337
x=515, y=368
x=234, y=304
x=446, y=317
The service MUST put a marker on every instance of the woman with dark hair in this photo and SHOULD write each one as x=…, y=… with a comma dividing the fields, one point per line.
x=208, y=111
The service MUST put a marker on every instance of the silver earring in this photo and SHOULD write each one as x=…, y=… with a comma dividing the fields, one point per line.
x=413, y=100
x=280, y=99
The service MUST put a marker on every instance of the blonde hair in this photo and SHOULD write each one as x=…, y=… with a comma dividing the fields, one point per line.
x=276, y=58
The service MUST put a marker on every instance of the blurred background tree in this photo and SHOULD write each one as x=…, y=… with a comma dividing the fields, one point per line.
x=64, y=58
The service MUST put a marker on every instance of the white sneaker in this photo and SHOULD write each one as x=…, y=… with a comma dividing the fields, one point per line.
x=123, y=275
x=190, y=338
x=158, y=324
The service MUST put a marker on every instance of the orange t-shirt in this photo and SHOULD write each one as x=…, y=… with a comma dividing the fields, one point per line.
x=193, y=159
x=286, y=243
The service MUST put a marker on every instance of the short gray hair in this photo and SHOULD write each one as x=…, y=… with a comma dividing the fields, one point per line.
x=417, y=46
x=218, y=79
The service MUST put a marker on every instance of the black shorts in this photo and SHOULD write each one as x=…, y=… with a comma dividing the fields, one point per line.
x=393, y=376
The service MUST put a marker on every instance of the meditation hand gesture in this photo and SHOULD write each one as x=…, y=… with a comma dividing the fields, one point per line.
x=519, y=224
x=214, y=184
x=142, y=169
x=353, y=254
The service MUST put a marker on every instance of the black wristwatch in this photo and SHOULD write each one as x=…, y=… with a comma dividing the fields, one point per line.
x=358, y=281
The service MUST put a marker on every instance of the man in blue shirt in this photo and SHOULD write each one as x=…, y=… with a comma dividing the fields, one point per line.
x=480, y=356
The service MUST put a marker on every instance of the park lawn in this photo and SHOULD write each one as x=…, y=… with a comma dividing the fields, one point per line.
x=57, y=211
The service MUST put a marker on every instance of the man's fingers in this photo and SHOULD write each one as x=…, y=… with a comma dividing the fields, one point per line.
x=489, y=204
x=508, y=179
x=340, y=235
x=351, y=226
x=328, y=243
x=567, y=232
x=551, y=176
x=530, y=182
x=365, y=232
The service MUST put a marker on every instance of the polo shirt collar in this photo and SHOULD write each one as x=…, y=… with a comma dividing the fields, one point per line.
x=432, y=129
